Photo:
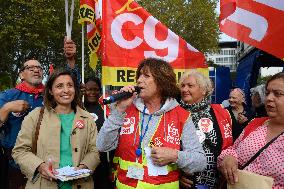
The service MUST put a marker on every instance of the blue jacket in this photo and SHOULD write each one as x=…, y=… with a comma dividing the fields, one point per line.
x=13, y=124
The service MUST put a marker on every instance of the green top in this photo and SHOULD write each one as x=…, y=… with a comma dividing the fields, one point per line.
x=65, y=145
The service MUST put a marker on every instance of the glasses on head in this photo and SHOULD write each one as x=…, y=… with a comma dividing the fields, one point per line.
x=32, y=68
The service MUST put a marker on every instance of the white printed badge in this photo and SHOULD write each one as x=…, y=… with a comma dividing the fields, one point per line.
x=205, y=125
x=135, y=172
x=128, y=126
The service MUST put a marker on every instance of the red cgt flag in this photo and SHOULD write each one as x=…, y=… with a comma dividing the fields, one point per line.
x=131, y=34
x=259, y=23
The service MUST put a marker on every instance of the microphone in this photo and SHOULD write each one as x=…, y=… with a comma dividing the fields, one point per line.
x=120, y=96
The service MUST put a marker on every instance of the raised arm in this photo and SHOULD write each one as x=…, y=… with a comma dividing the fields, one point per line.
x=109, y=134
x=7, y=107
x=70, y=53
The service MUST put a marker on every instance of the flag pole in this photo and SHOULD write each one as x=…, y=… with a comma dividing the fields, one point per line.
x=83, y=58
x=104, y=96
x=83, y=54
x=102, y=4
x=103, y=59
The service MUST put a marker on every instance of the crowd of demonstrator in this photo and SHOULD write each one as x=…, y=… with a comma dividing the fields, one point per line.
x=169, y=135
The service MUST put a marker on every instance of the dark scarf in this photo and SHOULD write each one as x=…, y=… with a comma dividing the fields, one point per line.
x=31, y=90
x=198, y=110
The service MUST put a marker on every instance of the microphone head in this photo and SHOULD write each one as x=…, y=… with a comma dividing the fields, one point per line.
x=108, y=100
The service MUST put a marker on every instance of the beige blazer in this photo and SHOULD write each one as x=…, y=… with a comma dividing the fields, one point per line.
x=83, y=143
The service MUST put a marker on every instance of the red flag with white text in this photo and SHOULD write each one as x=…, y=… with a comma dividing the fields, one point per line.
x=259, y=23
x=131, y=34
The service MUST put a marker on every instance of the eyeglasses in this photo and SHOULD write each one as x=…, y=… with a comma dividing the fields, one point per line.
x=32, y=68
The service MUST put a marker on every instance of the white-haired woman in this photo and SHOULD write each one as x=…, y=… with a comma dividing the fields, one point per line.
x=212, y=122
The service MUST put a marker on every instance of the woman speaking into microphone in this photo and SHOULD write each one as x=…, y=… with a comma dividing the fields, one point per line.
x=152, y=135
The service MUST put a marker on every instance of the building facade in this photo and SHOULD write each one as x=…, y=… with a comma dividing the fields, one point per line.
x=226, y=55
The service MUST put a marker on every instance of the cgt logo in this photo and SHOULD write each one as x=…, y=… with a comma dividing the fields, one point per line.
x=171, y=43
x=128, y=126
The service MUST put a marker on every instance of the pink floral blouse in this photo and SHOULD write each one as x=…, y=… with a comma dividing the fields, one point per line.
x=269, y=163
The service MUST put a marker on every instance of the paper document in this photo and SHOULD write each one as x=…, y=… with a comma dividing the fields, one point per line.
x=154, y=170
x=250, y=180
x=69, y=173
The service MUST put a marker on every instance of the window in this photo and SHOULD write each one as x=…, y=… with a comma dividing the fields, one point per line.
x=232, y=59
x=219, y=60
x=232, y=52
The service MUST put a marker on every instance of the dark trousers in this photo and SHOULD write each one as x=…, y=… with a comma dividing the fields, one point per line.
x=102, y=174
x=10, y=177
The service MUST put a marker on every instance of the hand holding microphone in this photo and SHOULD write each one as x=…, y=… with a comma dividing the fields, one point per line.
x=122, y=95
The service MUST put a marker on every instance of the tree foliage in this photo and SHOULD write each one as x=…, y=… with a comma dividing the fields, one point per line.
x=36, y=28
x=194, y=20
x=33, y=29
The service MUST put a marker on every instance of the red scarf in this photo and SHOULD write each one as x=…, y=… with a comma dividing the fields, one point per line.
x=32, y=90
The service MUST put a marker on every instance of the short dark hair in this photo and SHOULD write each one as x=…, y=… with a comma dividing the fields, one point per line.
x=31, y=56
x=279, y=75
x=27, y=58
x=163, y=74
x=49, y=101
x=96, y=80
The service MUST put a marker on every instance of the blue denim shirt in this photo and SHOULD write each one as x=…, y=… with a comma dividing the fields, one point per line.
x=13, y=124
x=76, y=73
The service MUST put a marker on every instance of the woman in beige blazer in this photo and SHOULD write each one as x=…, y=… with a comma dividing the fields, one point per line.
x=67, y=136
